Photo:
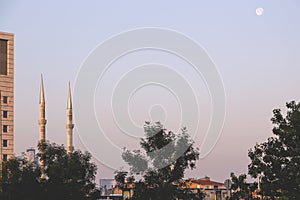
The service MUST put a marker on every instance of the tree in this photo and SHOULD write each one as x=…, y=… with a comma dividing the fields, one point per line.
x=241, y=189
x=120, y=177
x=62, y=176
x=69, y=175
x=19, y=180
x=277, y=161
x=162, y=162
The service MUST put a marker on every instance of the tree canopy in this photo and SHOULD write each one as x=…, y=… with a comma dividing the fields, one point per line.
x=19, y=180
x=240, y=188
x=277, y=161
x=162, y=161
x=62, y=176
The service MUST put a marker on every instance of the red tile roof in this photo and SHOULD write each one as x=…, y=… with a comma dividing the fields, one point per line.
x=207, y=181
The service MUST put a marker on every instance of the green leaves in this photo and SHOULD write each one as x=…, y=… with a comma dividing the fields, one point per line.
x=67, y=176
x=19, y=180
x=241, y=190
x=278, y=159
x=162, y=160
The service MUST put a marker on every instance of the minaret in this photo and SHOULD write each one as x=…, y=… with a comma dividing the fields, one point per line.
x=69, y=124
x=42, y=121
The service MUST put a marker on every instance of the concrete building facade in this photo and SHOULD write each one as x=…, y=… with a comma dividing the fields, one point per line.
x=6, y=95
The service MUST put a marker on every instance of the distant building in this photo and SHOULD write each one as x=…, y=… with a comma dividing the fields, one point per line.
x=109, y=190
x=6, y=96
x=107, y=185
x=30, y=156
x=213, y=190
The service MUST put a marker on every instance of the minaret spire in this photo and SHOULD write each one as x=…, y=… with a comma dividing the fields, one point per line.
x=69, y=106
x=69, y=123
x=42, y=95
x=42, y=121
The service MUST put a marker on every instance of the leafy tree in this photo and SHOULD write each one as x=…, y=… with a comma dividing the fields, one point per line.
x=120, y=177
x=162, y=162
x=62, y=176
x=241, y=189
x=69, y=175
x=277, y=161
x=19, y=180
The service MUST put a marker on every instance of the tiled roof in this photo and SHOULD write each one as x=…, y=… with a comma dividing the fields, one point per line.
x=207, y=182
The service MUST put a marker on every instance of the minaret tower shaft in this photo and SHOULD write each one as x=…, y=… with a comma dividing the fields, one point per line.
x=42, y=121
x=69, y=123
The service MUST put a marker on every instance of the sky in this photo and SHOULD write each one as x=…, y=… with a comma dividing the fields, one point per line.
x=257, y=58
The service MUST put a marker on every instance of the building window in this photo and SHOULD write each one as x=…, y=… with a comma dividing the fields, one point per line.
x=4, y=157
x=5, y=143
x=3, y=57
x=4, y=128
x=5, y=114
x=5, y=99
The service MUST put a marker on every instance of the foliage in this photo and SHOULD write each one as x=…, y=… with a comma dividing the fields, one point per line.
x=241, y=189
x=277, y=160
x=123, y=179
x=69, y=175
x=162, y=162
x=19, y=180
x=61, y=176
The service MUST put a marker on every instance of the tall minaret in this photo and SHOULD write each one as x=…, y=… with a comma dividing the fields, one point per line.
x=42, y=121
x=69, y=124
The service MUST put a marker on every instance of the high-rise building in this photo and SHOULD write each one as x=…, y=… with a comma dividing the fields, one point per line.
x=6, y=95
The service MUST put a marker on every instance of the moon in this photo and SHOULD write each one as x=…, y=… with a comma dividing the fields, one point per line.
x=259, y=11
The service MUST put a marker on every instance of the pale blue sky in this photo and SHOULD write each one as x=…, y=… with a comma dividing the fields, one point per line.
x=257, y=56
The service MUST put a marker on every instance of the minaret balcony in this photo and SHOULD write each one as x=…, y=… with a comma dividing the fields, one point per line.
x=42, y=121
x=70, y=126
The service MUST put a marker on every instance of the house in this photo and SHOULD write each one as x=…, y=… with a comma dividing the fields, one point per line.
x=213, y=190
